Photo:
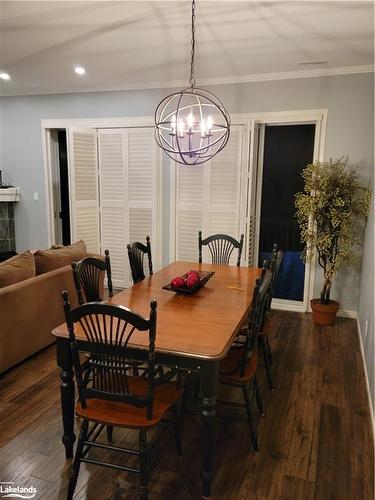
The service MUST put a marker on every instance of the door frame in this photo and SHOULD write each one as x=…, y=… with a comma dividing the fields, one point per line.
x=320, y=122
x=50, y=124
x=318, y=117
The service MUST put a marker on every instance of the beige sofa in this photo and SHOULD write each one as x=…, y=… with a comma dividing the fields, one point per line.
x=30, y=308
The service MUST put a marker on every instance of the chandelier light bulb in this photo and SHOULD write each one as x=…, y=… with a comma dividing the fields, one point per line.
x=190, y=121
x=181, y=128
x=209, y=125
x=203, y=128
x=173, y=125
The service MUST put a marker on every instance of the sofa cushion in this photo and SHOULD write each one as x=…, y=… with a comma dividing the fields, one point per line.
x=18, y=268
x=48, y=260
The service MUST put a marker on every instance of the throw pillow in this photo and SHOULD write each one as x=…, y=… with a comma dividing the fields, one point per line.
x=48, y=260
x=18, y=268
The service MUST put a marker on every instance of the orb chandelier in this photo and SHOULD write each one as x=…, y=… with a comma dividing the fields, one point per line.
x=191, y=125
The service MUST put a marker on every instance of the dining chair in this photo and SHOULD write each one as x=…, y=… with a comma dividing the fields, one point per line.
x=264, y=343
x=221, y=247
x=238, y=368
x=88, y=274
x=136, y=253
x=111, y=397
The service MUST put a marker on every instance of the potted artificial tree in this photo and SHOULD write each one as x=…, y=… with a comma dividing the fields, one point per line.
x=331, y=212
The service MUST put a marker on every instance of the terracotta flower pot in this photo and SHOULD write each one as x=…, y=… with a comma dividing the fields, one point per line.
x=324, y=314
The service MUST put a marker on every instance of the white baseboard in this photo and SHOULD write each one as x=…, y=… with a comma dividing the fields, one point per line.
x=287, y=306
x=367, y=381
x=347, y=313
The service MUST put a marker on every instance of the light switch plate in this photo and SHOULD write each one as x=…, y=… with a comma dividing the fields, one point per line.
x=36, y=196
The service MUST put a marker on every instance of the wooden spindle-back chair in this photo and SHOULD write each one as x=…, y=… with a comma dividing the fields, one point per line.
x=109, y=395
x=88, y=278
x=221, y=247
x=238, y=368
x=136, y=253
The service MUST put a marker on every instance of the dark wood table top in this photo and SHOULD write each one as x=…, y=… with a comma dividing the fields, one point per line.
x=201, y=325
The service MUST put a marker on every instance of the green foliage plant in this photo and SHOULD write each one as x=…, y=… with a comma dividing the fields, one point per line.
x=331, y=211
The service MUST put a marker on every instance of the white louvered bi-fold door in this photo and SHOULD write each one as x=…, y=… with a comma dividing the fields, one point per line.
x=84, y=192
x=208, y=199
x=128, y=191
x=142, y=185
x=224, y=191
x=113, y=175
x=190, y=204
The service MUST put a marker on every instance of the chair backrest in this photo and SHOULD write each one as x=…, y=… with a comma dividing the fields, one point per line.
x=221, y=247
x=107, y=330
x=88, y=274
x=136, y=253
x=277, y=258
x=256, y=316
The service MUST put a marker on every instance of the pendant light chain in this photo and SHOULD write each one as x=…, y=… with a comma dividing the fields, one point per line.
x=192, y=77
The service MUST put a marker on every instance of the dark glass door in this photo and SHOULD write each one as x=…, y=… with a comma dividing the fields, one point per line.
x=287, y=150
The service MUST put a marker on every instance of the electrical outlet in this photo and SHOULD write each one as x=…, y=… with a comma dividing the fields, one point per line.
x=366, y=328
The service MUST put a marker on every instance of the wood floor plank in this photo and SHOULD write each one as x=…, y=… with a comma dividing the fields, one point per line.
x=333, y=468
x=315, y=438
x=295, y=488
x=304, y=438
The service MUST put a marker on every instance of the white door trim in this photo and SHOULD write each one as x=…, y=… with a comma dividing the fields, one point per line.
x=319, y=119
x=47, y=167
x=172, y=209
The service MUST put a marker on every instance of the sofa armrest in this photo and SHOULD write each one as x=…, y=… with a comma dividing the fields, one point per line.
x=29, y=310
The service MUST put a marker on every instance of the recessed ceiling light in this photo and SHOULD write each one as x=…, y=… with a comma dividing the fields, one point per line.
x=305, y=63
x=4, y=76
x=79, y=70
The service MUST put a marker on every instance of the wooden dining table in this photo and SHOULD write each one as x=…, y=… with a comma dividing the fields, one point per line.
x=194, y=332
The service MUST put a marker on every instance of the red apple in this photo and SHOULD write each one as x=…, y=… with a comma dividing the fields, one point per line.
x=193, y=273
x=191, y=280
x=178, y=282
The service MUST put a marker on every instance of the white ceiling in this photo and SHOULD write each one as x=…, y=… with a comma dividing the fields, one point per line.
x=144, y=44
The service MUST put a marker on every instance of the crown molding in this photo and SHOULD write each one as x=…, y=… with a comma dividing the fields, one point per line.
x=289, y=75
x=223, y=80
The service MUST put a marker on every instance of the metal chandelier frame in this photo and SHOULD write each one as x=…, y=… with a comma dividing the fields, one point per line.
x=195, y=141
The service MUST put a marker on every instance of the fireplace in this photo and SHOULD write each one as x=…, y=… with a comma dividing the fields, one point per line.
x=8, y=198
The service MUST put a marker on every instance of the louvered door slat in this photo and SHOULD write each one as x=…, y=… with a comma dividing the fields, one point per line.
x=208, y=199
x=225, y=171
x=189, y=210
x=84, y=193
x=113, y=200
x=142, y=186
x=141, y=161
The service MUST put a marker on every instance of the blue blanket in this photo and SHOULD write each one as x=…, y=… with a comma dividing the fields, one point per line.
x=290, y=282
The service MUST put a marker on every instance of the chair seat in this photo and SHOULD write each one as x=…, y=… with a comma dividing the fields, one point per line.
x=126, y=415
x=229, y=367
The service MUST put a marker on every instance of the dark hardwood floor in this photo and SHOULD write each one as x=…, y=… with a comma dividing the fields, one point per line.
x=315, y=439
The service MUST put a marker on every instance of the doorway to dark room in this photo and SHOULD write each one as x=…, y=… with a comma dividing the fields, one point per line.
x=60, y=185
x=64, y=214
x=287, y=150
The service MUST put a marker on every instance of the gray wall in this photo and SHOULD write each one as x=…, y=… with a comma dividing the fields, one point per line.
x=366, y=300
x=350, y=130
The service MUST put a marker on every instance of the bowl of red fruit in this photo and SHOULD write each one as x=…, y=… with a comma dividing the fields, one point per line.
x=189, y=282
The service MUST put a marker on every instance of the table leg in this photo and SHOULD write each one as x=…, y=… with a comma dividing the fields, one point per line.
x=209, y=380
x=64, y=361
